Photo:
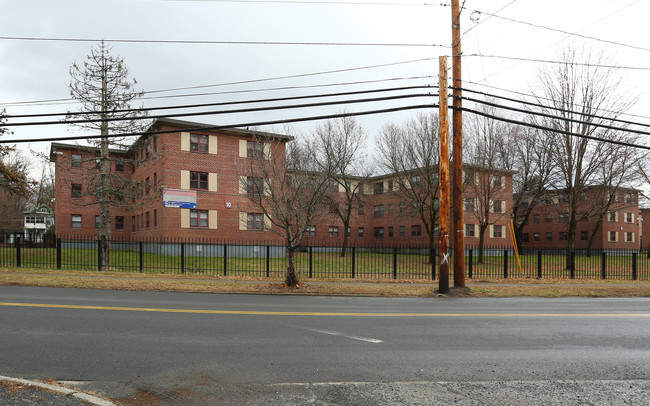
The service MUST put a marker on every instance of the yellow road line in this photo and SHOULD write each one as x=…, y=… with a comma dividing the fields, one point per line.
x=337, y=314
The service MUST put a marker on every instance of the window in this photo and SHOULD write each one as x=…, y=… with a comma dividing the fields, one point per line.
x=536, y=237
x=402, y=207
x=254, y=185
x=416, y=181
x=310, y=231
x=562, y=218
x=629, y=218
x=391, y=208
x=97, y=222
x=470, y=177
x=148, y=220
x=563, y=198
x=198, y=143
x=141, y=221
x=469, y=230
x=119, y=223
x=416, y=231
x=390, y=231
x=549, y=218
x=497, y=206
x=584, y=235
x=390, y=185
x=379, y=188
x=612, y=216
x=361, y=230
x=361, y=211
x=333, y=231
x=525, y=237
x=76, y=221
x=133, y=224
x=612, y=236
x=76, y=160
x=254, y=150
x=155, y=143
x=76, y=190
x=147, y=186
x=629, y=198
x=334, y=186
x=497, y=232
x=536, y=218
x=133, y=193
x=198, y=180
x=496, y=181
x=629, y=237
x=549, y=236
x=379, y=210
x=119, y=165
x=402, y=231
x=379, y=233
x=469, y=204
x=98, y=163
x=198, y=218
x=254, y=221
x=349, y=231
x=155, y=218
x=155, y=181
x=564, y=236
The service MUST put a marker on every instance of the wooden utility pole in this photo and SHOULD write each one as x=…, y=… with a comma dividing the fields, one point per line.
x=443, y=178
x=457, y=170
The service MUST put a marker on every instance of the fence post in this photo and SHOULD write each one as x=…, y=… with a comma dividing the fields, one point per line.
x=353, y=264
x=394, y=263
x=268, y=261
x=470, y=264
x=182, y=257
x=505, y=264
x=141, y=250
x=634, y=266
x=603, y=268
x=433, y=265
x=310, y=263
x=539, y=264
x=573, y=265
x=225, y=259
x=17, y=241
x=99, y=254
x=58, y=253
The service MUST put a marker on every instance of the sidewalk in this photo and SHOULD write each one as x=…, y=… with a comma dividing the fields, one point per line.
x=14, y=391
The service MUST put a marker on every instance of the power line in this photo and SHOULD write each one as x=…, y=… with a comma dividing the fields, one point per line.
x=565, y=32
x=220, y=127
x=210, y=42
x=205, y=113
x=336, y=3
x=555, y=130
x=300, y=75
x=551, y=108
x=185, y=106
x=549, y=99
x=514, y=58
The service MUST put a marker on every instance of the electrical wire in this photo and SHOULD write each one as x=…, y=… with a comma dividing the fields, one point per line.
x=221, y=127
x=185, y=106
x=547, y=107
x=206, y=113
x=514, y=58
x=555, y=130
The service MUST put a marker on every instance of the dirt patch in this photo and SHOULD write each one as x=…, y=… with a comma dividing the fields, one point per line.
x=141, y=397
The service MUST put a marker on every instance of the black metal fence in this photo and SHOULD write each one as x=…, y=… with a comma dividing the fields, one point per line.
x=266, y=259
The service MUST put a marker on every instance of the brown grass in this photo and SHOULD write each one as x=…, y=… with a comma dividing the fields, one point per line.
x=366, y=287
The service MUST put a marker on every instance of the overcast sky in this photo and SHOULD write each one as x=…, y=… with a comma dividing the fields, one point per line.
x=38, y=70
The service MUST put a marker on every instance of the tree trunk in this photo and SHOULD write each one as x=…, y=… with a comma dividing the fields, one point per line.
x=481, y=241
x=593, y=236
x=571, y=236
x=291, y=278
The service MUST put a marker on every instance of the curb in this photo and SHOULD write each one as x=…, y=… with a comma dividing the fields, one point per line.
x=93, y=400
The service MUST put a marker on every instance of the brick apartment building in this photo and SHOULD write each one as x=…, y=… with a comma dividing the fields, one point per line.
x=644, y=228
x=204, y=169
x=620, y=227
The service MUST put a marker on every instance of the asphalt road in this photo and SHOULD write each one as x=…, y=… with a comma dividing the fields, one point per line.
x=178, y=348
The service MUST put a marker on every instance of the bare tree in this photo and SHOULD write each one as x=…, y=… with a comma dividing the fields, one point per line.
x=410, y=153
x=580, y=95
x=13, y=168
x=486, y=187
x=103, y=88
x=341, y=153
x=290, y=193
